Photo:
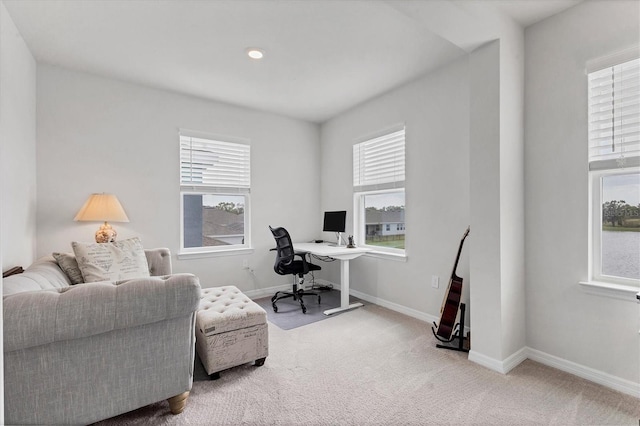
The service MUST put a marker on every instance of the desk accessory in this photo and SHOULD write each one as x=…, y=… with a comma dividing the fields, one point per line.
x=351, y=244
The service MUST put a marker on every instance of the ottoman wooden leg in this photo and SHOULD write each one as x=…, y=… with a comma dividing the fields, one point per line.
x=178, y=402
x=260, y=362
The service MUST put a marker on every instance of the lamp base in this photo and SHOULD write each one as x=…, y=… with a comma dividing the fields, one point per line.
x=106, y=234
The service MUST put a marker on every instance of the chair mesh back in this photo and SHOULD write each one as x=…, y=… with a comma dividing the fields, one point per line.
x=284, y=247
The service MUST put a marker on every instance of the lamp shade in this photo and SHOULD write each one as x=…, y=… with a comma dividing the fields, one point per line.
x=102, y=208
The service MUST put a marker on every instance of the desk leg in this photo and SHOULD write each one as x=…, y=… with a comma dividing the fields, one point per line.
x=344, y=290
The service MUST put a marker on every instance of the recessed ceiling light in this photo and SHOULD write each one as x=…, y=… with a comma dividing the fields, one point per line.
x=255, y=53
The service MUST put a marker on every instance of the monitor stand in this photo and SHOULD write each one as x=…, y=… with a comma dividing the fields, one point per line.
x=338, y=243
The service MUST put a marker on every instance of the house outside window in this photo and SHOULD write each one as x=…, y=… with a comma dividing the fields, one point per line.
x=214, y=193
x=614, y=172
x=379, y=194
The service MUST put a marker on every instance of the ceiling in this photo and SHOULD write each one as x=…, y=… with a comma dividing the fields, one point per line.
x=322, y=57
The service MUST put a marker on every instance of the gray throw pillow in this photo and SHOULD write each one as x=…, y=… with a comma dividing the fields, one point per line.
x=67, y=262
x=119, y=260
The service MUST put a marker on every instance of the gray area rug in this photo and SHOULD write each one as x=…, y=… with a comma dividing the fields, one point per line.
x=290, y=316
x=373, y=366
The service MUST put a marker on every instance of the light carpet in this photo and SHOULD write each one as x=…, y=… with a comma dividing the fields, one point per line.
x=373, y=366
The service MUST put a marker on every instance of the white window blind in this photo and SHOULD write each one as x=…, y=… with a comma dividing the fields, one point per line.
x=379, y=163
x=614, y=116
x=214, y=164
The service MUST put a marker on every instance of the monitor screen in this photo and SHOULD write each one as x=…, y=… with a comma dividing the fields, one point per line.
x=334, y=221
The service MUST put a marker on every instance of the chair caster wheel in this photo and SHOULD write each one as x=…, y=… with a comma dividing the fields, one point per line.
x=275, y=308
x=304, y=310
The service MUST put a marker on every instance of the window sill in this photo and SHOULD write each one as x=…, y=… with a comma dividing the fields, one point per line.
x=218, y=253
x=387, y=256
x=616, y=291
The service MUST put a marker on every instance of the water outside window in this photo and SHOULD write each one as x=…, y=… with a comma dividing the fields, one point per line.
x=621, y=225
x=384, y=219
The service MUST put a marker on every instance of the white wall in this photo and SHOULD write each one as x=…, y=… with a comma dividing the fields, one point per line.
x=485, y=236
x=512, y=212
x=497, y=202
x=102, y=135
x=435, y=110
x=17, y=156
x=17, y=146
x=562, y=320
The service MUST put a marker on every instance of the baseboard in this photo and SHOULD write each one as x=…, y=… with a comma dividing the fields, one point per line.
x=503, y=367
x=430, y=319
x=394, y=306
x=268, y=291
x=613, y=382
x=621, y=385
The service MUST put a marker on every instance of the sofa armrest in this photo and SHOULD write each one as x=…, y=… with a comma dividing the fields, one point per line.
x=159, y=260
x=42, y=317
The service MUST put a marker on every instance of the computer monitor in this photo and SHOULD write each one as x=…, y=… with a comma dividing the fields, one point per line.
x=335, y=222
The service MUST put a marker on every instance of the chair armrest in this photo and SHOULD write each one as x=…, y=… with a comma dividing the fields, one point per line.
x=303, y=256
x=41, y=317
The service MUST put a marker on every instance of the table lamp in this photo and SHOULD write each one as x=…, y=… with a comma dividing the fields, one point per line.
x=103, y=208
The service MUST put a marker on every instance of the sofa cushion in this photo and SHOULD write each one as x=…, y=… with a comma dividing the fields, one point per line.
x=43, y=274
x=119, y=260
x=69, y=265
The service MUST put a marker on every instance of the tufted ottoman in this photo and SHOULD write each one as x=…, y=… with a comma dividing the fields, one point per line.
x=231, y=330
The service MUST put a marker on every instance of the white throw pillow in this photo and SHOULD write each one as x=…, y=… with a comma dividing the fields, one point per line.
x=115, y=261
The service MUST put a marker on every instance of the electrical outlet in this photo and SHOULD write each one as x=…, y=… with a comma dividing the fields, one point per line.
x=245, y=264
x=435, y=281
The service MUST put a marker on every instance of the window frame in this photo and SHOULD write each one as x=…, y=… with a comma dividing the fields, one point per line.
x=228, y=249
x=603, y=165
x=360, y=223
x=373, y=174
x=595, y=227
x=195, y=189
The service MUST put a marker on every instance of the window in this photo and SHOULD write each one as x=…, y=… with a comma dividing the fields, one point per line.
x=214, y=192
x=379, y=197
x=614, y=148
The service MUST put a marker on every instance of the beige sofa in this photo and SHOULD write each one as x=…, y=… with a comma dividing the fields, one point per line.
x=76, y=354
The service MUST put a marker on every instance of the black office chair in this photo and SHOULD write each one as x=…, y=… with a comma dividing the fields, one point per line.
x=286, y=265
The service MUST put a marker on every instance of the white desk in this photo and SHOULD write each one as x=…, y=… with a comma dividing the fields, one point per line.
x=344, y=255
